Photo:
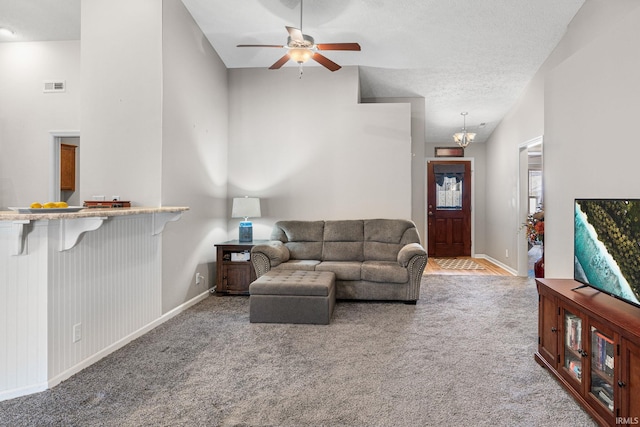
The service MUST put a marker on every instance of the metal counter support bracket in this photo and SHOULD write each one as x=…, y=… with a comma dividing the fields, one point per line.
x=72, y=229
x=21, y=236
x=160, y=219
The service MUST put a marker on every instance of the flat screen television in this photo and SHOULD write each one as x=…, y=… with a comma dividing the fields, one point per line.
x=607, y=246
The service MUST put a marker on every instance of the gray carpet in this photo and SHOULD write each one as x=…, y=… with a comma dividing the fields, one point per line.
x=462, y=356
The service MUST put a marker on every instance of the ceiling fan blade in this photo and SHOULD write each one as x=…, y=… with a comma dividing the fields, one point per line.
x=280, y=62
x=338, y=46
x=326, y=62
x=295, y=34
x=260, y=45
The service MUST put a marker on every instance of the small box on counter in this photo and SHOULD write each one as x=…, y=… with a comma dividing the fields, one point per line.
x=106, y=204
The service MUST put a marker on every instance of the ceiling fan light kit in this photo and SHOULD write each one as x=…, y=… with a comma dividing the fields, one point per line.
x=300, y=55
x=302, y=47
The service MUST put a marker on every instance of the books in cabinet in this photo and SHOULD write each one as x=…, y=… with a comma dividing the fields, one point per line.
x=602, y=353
x=573, y=332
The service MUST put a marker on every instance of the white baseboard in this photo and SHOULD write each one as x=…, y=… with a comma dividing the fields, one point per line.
x=498, y=263
x=23, y=391
x=121, y=343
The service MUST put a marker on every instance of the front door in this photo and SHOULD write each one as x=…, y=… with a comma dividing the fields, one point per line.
x=449, y=208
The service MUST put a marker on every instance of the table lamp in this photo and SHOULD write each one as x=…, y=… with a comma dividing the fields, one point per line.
x=245, y=207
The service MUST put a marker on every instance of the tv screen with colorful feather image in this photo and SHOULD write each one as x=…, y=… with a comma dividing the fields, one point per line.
x=607, y=246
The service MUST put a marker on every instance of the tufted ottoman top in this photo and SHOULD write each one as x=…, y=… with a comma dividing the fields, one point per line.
x=294, y=282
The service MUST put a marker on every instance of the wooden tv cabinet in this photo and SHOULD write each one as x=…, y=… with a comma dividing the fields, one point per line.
x=590, y=342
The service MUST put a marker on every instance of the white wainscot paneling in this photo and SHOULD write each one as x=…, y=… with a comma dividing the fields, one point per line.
x=109, y=284
x=23, y=311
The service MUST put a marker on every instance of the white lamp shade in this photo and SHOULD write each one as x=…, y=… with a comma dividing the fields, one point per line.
x=245, y=207
x=300, y=55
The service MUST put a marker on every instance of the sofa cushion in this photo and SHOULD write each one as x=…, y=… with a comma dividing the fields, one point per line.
x=298, y=264
x=304, y=250
x=344, y=270
x=343, y=240
x=384, y=271
x=383, y=238
x=302, y=238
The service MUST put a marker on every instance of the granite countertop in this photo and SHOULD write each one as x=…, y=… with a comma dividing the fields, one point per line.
x=87, y=212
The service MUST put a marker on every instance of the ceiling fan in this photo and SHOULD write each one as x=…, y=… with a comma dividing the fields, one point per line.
x=301, y=47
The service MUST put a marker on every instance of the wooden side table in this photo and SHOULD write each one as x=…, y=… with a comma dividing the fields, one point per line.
x=234, y=269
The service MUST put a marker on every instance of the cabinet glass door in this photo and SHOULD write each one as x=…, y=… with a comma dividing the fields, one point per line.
x=573, y=349
x=602, y=366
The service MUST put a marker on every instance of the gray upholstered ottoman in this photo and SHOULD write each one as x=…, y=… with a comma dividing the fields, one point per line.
x=292, y=296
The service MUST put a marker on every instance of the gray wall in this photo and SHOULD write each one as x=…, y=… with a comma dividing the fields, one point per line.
x=418, y=194
x=592, y=101
x=195, y=116
x=154, y=115
x=310, y=150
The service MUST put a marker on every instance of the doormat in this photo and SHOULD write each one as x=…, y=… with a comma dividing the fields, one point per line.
x=458, y=264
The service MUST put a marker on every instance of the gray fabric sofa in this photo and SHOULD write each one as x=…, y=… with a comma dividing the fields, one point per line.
x=373, y=259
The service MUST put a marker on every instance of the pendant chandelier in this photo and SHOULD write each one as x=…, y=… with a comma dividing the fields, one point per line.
x=464, y=138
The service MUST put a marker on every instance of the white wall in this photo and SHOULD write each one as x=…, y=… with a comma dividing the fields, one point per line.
x=310, y=151
x=122, y=100
x=194, y=154
x=27, y=115
x=526, y=121
x=592, y=101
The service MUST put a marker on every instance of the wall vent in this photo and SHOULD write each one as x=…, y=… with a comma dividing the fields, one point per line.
x=55, y=86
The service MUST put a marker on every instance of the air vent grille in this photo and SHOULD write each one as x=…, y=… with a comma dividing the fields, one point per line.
x=55, y=86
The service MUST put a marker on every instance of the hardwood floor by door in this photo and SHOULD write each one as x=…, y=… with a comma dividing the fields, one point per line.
x=490, y=269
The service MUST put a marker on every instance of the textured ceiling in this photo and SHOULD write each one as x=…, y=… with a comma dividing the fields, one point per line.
x=460, y=55
x=40, y=20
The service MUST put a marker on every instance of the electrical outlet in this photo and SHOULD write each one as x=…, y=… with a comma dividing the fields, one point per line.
x=116, y=198
x=199, y=279
x=77, y=332
x=506, y=253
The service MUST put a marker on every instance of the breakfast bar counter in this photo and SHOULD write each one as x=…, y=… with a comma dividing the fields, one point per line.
x=85, y=213
x=74, y=287
x=76, y=222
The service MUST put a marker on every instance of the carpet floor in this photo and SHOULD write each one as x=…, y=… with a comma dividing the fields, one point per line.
x=463, y=355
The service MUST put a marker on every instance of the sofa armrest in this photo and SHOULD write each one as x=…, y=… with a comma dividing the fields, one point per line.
x=409, y=251
x=414, y=258
x=268, y=255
